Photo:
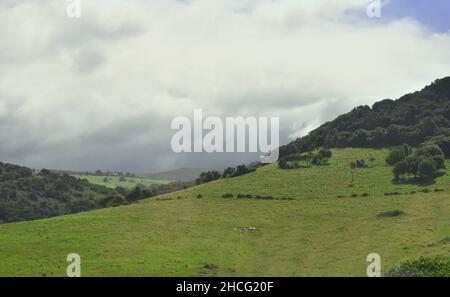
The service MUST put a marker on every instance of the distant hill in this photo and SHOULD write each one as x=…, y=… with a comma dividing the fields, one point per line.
x=182, y=174
x=412, y=119
x=27, y=195
x=125, y=182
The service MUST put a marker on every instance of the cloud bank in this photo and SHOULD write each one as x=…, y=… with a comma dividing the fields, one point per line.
x=101, y=91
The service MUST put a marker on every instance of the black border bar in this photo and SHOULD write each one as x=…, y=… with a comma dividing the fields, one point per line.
x=233, y=286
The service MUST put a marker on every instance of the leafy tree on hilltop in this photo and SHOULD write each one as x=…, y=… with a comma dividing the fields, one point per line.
x=209, y=176
x=228, y=172
x=241, y=170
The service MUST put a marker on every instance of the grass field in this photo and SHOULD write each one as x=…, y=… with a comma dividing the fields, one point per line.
x=179, y=234
x=114, y=181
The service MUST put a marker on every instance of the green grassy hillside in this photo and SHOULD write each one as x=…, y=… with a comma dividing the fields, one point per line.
x=181, y=174
x=323, y=231
x=115, y=181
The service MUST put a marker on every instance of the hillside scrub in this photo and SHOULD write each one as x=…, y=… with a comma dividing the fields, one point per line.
x=423, y=267
x=28, y=195
x=230, y=172
x=305, y=160
x=424, y=163
x=25, y=195
x=412, y=119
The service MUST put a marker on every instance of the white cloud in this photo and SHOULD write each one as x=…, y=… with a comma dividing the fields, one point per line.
x=101, y=91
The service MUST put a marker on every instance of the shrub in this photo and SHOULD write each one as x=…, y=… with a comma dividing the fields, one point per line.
x=134, y=195
x=199, y=196
x=121, y=190
x=401, y=168
x=265, y=197
x=325, y=153
x=427, y=168
x=287, y=198
x=413, y=164
x=209, y=176
x=227, y=196
x=358, y=164
x=146, y=193
x=395, y=156
x=424, y=164
x=140, y=185
x=293, y=161
x=444, y=144
x=390, y=214
x=321, y=157
x=361, y=164
x=429, y=150
x=406, y=149
x=240, y=170
x=440, y=161
x=423, y=267
x=228, y=172
x=241, y=196
x=112, y=201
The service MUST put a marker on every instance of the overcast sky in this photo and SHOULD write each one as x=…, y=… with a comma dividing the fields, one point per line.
x=100, y=92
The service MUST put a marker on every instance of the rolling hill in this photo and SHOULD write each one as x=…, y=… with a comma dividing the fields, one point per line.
x=125, y=182
x=412, y=119
x=181, y=174
x=282, y=219
x=311, y=222
x=28, y=195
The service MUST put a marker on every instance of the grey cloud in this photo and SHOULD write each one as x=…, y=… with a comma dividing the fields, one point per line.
x=88, y=60
x=101, y=91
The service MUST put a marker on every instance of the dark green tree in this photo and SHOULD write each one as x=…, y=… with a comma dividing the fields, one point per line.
x=241, y=170
x=134, y=195
x=400, y=169
x=395, y=156
x=427, y=168
x=228, y=172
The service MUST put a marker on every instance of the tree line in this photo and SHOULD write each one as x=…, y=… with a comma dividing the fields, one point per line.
x=230, y=172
